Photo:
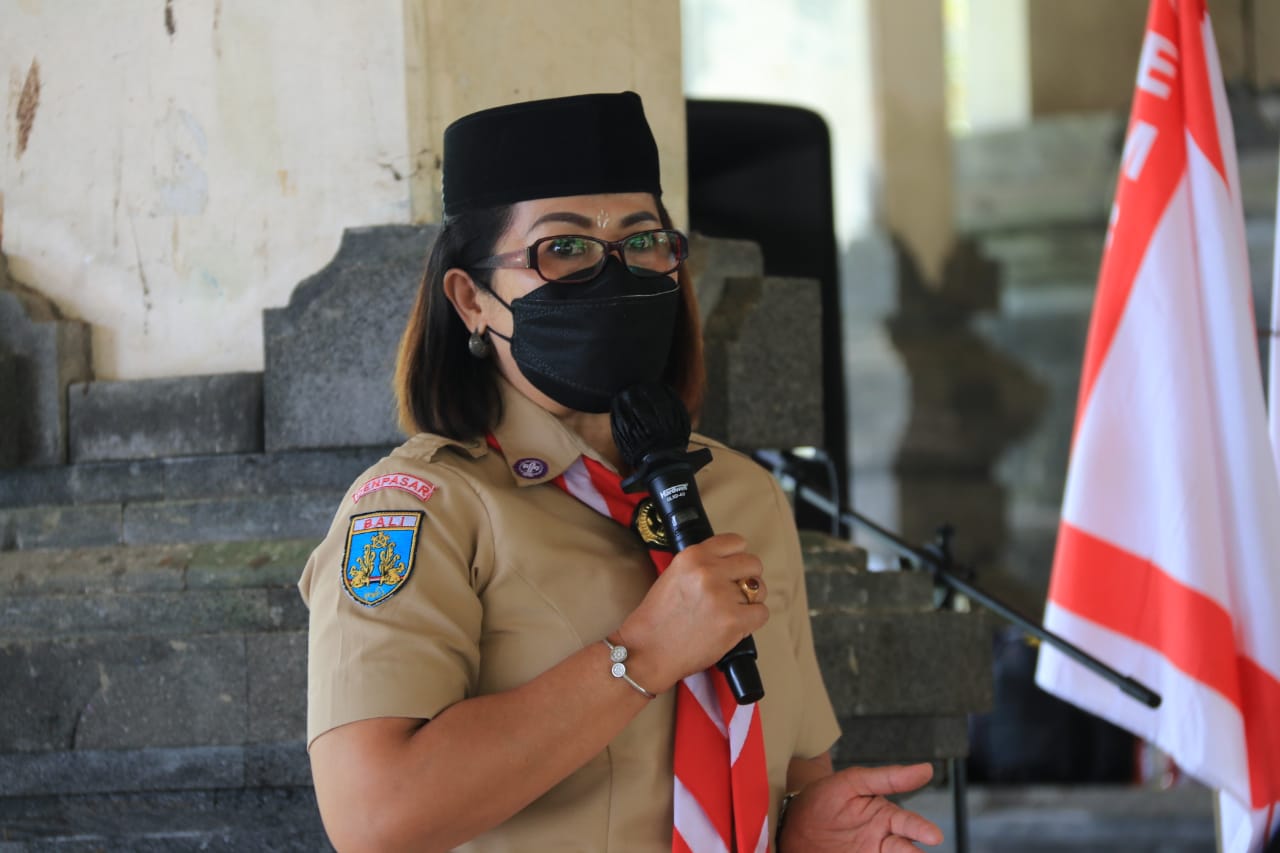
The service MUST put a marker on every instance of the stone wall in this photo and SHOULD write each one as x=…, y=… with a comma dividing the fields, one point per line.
x=41, y=353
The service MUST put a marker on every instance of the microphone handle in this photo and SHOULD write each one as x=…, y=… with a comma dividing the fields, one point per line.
x=675, y=496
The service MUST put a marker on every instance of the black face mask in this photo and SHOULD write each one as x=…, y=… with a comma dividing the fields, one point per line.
x=580, y=344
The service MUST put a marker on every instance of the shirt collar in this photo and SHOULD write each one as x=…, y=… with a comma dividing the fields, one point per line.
x=536, y=445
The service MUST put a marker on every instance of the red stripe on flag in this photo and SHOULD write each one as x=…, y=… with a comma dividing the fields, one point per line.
x=1155, y=159
x=1130, y=595
x=1261, y=694
x=1202, y=120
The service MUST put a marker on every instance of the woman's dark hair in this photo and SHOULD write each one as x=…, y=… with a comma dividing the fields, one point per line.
x=441, y=388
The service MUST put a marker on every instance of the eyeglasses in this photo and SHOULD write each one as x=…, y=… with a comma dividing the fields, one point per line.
x=578, y=258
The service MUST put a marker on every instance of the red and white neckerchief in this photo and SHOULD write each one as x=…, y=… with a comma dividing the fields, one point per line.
x=721, y=779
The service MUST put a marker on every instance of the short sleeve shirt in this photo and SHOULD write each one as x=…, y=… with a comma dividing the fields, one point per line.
x=454, y=570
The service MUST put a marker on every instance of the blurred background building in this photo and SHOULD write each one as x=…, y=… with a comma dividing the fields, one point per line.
x=172, y=170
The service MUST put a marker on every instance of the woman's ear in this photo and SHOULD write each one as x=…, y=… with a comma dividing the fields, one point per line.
x=464, y=293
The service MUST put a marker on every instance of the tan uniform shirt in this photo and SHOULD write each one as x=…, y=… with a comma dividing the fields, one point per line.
x=495, y=575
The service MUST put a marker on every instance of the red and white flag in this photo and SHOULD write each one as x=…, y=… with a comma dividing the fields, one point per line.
x=1168, y=554
x=1273, y=340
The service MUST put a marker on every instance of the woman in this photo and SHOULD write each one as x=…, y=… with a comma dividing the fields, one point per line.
x=504, y=653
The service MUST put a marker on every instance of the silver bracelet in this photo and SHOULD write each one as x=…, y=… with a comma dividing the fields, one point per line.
x=782, y=816
x=618, y=655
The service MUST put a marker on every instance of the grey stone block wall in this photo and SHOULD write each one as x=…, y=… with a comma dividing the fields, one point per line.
x=9, y=409
x=218, y=498
x=763, y=352
x=1059, y=170
x=49, y=353
x=168, y=682
x=714, y=261
x=902, y=675
x=155, y=698
x=181, y=416
x=330, y=353
x=125, y=648
x=186, y=478
x=244, y=820
x=229, y=519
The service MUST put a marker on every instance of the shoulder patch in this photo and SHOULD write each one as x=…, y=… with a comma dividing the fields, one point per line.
x=416, y=486
x=379, y=555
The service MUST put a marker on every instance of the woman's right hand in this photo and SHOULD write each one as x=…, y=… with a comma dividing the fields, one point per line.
x=694, y=612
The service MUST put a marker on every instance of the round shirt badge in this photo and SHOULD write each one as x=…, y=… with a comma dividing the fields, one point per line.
x=530, y=468
x=648, y=524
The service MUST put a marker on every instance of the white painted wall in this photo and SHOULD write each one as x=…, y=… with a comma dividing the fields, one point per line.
x=174, y=185
x=477, y=54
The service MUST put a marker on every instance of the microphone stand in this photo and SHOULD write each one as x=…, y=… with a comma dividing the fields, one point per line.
x=939, y=562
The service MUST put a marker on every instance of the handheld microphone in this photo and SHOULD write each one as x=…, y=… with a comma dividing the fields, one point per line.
x=651, y=429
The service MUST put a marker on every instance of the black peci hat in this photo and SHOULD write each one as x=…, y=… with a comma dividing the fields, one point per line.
x=578, y=145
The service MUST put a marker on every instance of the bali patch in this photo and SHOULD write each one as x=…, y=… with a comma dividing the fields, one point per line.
x=379, y=554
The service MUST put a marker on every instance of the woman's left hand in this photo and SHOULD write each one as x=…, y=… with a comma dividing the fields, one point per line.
x=847, y=811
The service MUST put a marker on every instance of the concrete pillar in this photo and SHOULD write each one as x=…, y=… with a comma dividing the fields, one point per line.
x=1014, y=60
x=1084, y=55
x=1262, y=59
x=873, y=69
x=910, y=93
x=467, y=55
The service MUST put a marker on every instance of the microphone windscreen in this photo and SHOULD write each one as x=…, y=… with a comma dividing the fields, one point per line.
x=649, y=417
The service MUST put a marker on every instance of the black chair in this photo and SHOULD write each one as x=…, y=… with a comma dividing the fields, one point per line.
x=762, y=172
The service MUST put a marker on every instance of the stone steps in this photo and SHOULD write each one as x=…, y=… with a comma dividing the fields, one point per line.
x=215, y=498
x=244, y=820
x=155, y=699
x=871, y=627
x=1061, y=170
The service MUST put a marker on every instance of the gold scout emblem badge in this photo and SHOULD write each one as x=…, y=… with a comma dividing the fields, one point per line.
x=379, y=554
x=648, y=525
